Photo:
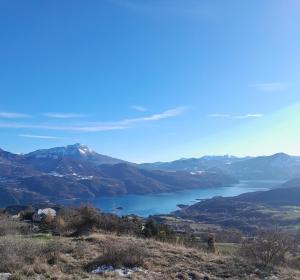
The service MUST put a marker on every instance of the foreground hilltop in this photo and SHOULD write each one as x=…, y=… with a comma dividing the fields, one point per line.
x=162, y=261
x=81, y=243
x=77, y=172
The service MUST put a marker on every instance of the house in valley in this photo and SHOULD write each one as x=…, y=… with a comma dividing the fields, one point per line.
x=41, y=213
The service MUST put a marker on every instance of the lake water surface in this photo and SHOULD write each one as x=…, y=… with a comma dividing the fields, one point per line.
x=145, y=205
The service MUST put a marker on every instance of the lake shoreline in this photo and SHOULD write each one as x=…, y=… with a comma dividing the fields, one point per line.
x=165, y=203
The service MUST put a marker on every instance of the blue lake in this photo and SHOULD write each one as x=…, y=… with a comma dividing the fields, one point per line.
x=145, y=205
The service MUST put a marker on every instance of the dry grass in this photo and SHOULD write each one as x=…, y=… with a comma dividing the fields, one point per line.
x=124, y=254
x=9, y=226
x=28, y=255
x=68, y=258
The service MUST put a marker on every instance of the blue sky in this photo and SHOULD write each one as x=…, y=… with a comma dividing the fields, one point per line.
x=151, y=80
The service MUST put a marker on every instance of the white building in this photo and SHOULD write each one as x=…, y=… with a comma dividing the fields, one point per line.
x=38, y=216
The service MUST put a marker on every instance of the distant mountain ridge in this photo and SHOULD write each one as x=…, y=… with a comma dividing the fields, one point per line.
x=278, y=166
x=77, y=172
x=275, y=167
x=192, y=164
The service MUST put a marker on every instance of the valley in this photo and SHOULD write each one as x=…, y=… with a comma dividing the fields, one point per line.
x=209, y=212
x=76, y=173
x=149, y=140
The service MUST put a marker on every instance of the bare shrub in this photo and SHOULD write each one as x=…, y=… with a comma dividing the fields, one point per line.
x=79, y=220
x=82, y=220
x=79, y=249
x=51, y=251
x=158, y=231
x=269, y=248
x=88, y=217
x=46, y=224
x=127, y=254
x=211, y=247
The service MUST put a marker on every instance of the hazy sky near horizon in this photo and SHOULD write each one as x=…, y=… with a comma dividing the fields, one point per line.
x=151, y=80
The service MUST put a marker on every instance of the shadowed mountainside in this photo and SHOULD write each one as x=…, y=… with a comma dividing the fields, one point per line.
x=76, y=171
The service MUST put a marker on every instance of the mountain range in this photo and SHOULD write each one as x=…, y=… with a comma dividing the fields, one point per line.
x=279, y=166
x=75, y=171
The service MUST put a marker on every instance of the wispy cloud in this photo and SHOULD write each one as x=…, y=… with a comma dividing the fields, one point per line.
x=63, y=115
x=138, y=108
x=217, y=115
x=270, y=87
x=98, y=126
x=46, y=137
x=156, y=117
x=249, y=116
x=12, y=115
x=228, y=116
x=80, y=128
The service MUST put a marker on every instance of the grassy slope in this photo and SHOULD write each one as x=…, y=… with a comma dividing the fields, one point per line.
x=163, y=261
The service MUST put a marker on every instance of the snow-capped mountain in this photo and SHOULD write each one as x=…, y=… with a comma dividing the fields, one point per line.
x=193, y=164
x=75, y=171
x=279, y=166
x=75, y=152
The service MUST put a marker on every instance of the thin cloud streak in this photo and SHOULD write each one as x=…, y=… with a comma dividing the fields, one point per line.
x=219, y=115
x=249, y=116
x=156, y=117
x=41, y=137
x=96, y=127
x=138, y=108
x=86, y=128
x=63, y=115
x=269, y=87
x=12, y=115
x=228, y=116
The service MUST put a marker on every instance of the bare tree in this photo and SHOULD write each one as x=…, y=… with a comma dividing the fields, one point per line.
x=268, y=248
